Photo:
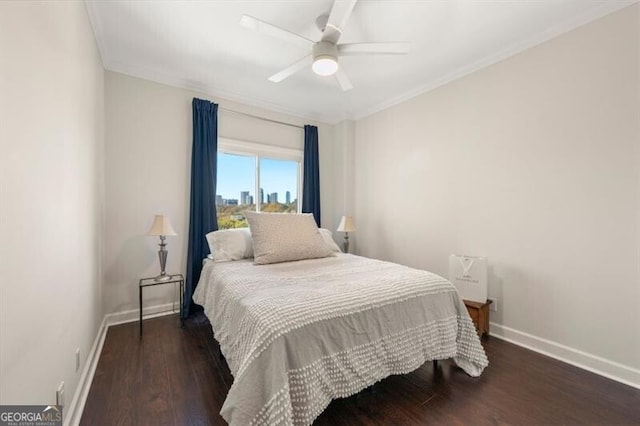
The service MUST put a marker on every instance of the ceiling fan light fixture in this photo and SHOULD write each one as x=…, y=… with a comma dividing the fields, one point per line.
x=325, y=65
x=325, y=58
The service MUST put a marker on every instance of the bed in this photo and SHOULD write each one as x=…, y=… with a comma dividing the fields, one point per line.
x=298, y=334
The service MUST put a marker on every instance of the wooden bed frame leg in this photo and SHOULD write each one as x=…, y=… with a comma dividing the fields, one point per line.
x=435, y=364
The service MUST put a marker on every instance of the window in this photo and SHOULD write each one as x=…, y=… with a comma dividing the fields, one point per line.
x=235, y=189
x=255, y=177
x=279, y=180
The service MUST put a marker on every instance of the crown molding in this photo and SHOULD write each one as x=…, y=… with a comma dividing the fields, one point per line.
x=96, y=27
x=605, y=9
x=174, y=81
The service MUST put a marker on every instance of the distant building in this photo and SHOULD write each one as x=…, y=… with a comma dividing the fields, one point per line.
x=219, y=200
x=250, y=199
x=274, y=197
x=231, y=202
x=261, y=196
x=288, y=197
x=244, y=197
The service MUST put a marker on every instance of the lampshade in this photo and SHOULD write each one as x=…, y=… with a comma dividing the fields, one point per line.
x=346, y=224
x=161, y=226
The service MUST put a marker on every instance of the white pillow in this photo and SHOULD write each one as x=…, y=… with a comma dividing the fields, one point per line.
x=327, y=235
x=230, y=244
x=285, y=237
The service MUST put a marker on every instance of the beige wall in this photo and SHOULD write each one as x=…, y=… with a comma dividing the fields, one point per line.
x=534, y=163
x=343, y=172
x=51, y=142
x=147, y=163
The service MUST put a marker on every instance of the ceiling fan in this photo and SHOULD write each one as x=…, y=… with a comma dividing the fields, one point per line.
x=324, y=53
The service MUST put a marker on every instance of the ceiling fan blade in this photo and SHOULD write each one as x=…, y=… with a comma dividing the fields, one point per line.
x=291, y=69
x=343, y=80
x=340, y=13
x=353, y=49
x=262, y=27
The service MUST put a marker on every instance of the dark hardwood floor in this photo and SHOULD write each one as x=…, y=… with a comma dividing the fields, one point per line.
x=173, y=376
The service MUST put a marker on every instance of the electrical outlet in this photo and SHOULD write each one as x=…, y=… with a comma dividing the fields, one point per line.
x=60, y=395
x=77, y=359
x=494, y=304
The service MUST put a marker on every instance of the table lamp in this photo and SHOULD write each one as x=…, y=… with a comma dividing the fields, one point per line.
x=346, y=226
x=162, y=227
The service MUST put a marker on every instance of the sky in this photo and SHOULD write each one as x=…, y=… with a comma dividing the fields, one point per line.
x=236, y=173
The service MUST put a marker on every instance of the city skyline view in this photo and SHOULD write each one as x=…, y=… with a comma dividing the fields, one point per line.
x=237, y=174
x=248, y=199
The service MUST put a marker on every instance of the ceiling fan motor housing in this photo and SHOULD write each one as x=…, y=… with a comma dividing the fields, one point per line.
x=325, y=49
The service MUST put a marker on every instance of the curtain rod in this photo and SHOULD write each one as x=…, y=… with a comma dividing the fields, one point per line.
x=262, y=118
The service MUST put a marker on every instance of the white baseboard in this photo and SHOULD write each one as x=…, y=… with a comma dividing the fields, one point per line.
x=148, y=312
x=595, y=364
x=75, y=409
x=74, y=412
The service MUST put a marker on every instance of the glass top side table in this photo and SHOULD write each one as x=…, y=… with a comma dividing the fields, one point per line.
x=148, y=282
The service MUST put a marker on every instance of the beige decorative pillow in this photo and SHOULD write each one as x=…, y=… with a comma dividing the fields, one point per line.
x=284, y=237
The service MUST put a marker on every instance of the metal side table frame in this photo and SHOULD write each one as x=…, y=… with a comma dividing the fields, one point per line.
x=148, y=282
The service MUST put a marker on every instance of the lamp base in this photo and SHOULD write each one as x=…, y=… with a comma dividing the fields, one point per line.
x=162, y=255
x=162, y=277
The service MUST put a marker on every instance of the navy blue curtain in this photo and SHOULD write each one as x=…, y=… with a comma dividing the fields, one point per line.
x=311, y=178
x=202, y=216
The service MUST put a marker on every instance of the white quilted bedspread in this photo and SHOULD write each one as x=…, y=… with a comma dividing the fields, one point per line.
x=298, y=334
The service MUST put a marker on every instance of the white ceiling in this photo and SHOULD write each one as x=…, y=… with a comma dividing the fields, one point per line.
x=200, y=45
